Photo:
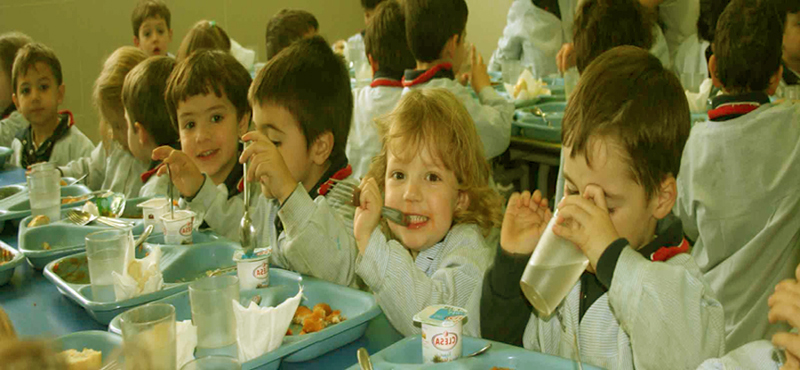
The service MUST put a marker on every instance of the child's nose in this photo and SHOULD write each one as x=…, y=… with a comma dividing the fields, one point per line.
x=412, y=192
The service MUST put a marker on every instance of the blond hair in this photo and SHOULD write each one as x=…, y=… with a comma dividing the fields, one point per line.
x=436, y=119
x=107, y=93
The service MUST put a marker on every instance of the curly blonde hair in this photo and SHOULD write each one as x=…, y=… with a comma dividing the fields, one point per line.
x=436, y=119
x=107, y=93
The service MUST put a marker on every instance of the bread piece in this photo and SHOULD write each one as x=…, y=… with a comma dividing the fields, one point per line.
x=88, y=359
x=326, y=310
x=39, y=221
x=300, y=314
x=335, y=317
x=314, y=323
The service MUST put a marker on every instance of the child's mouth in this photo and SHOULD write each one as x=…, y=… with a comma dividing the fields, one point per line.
x=208, y=154
x=416, y=221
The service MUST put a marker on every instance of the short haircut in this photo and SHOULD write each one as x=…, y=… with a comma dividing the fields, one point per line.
x=436, y=120
x=149, y=9
x=748, y=45
x=286, y=27
x=385, y=38
x=313, y=84
x=33, y=53
x=788, y=7
x=370, y=4
x=143, y=97
x=628, y=98
x=107, y=91
x=430, y=23
x=205, y=72
x=204, y=34
x=604, y=24
x=710, y=11
x=10, y=43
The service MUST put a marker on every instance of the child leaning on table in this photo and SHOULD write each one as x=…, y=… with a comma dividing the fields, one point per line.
x=433, y=169
x=643, y=302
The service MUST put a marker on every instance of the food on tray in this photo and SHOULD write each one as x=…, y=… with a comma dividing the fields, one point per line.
x=62, y=183
x=527, y=87
x=73, y=270
x=317, y=319
x=70, y=200
x=39, y=221
x=5, y=256
x=88, y=359
x=46, y=246
x=501, y=368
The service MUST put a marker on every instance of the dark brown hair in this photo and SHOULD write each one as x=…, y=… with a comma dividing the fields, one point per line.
x=286, y=27
x=208, y=71
x=204, y=35
x=605, y=24
x=430, y=23
x=748, y=45
x=149, y=9
x=9, y=44
x=627, y=97
x=370, y=4
x=710, y=11
x=385, y=38
x=143, y=97
x=107, y=91
x=33, y=53
x=312, y=83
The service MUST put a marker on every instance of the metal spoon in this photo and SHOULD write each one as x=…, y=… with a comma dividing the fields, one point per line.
x=144, y=236
x=538, y=112
x=171, y=197
x=246, y=228
x=363, y=359
x=480, y=351
x=77, y=180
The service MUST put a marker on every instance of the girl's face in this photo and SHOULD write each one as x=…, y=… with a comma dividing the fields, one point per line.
x=422, y=188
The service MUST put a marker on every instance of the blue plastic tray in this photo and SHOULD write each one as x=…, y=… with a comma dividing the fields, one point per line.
x=180, y=265
x=357, y=306
x=7, y=269
x=407, y=354
x=20, y=207
x=98, y=340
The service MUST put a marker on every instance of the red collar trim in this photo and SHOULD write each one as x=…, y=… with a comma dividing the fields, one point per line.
x=71, y=121
x=737, y=109
x=339, y=175
x=427, y=76
x=240, y=184
x=386, y=82
x=148, y=174
x=664, y=254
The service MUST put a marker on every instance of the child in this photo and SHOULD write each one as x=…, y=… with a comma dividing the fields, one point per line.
x=151, y=27
x=38, y=91
x=204, y=35
x=148, y=119
x=433, y=169
x=207, y=102
x=11, y=121
x=111, y=165
x=388, y=53
x=436, y=30
x=356, y=42
x=791, y=44
x=643, y=302
x=302, y=107
x=288, y=26
x=737, y=190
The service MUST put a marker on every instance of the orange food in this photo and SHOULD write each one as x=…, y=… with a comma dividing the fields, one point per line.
x=300, y=315
x=317, y=319
x=314, y=323
x=335, y=317
x=324, y=307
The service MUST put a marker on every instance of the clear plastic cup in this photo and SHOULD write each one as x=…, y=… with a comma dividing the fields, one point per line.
x=44, y=187
x=511, y=70
x=107, y=251
x=153, y=209
x=212, y=310
x=554, y=268
x=212, y=363
x=178, y=227
x=692, y=81
x=148, y=336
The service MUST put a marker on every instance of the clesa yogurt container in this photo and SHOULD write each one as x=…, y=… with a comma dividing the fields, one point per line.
x=253, y=272
x=441, y=332
x=153, y=209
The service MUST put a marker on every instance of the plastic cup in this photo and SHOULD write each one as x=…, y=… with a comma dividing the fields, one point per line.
x=106, y=252
x=148, y=336
x=554, y=268
x=212, y=363
x=511, y=70
x=178, y=227
x=44, y=187
x=212, y=310
x=153, y=209
x=692, y=81
x=253, y=272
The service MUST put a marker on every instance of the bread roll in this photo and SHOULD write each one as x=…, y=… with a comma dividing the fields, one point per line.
x=88, y=359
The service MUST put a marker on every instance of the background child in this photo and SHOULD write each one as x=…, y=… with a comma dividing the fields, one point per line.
x=791, y=44
x=151, y=27
x=643, y=302
x=433, y=169
x=435, y=30
x=356, y=42
x=737, y=190
x=288, y=26
x=111, y=165
x=148, y=120
x=389, y=56
x=533, y=36
x=38, y=91
x=11, y=121
x=204, y=34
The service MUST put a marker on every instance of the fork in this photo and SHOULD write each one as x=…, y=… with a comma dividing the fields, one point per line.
x=82, y=218
x=350, y=194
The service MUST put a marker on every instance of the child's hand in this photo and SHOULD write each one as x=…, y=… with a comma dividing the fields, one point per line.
x=479, y=76
x=267, y=165
x=584, y=220
x=185, y=175
x=368, y=213
x=566, y=57
x=784, y=305
x=524, y=222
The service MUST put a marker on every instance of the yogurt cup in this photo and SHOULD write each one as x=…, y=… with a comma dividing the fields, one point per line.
x=441, y=332
x=152, y=210
x=178, y=229
x=253, y=272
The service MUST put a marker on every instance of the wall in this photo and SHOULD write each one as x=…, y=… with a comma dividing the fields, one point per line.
x=487, y=18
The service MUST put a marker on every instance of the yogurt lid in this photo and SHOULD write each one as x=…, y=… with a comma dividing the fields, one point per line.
x=441, y=315
x=258, y=255
x=154, y=203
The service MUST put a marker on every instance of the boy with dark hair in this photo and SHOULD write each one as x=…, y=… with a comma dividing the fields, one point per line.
x=738, y=185
x=791, y=44
x=436, y=30
x=388, y=54
x=288, y=26
x=11, y=121
x=642, y=303
x=38, y=91
x=152, y=31
x=148, y=118
x=302, y=107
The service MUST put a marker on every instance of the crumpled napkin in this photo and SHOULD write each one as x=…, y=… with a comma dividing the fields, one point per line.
x=698, y=102
x=261, y=329
x=527, y=87
x=186, y=341
x=141, y=276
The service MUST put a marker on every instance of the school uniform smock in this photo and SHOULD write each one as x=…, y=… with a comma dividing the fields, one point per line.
x=116, y=170
x=221, y=206
x=646, y=308
x=370, y=102
x=65, y=144
x=758, y=355
x=738, y=200
x=679, y=18
x=10, y=125
x=492, y=113
x=789, y=78
x=157, y=186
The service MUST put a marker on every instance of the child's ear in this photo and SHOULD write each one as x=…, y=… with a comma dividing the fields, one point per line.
x=775, y=81
x=321, y=150
x=141, y=134
x=712, y=70
x=450, y=48
x=373, y=64
x=244, y=124
x=665, y=197
x=136, y=39
x=462, y=203
x=60, y=97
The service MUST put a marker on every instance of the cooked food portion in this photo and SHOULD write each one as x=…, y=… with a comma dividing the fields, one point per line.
x=88, y=359
x=39, y=221
x=5, y=256
x=314, y=320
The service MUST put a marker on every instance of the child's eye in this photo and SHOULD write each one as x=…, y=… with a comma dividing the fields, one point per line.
x=160, y=32
x=44, y=87
x=398, y=175
x=189, y=125
x=276, y=143
x=611, y=211
x=25, y=90
x=216, y=118
x=147, y=34
x=432, y=177
x=571, y=191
